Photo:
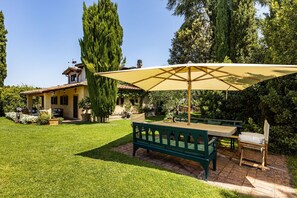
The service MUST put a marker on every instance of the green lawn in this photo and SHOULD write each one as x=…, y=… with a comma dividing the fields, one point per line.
x=76, y=160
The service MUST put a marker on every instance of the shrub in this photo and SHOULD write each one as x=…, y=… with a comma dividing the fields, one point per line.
x=25, y=119
x=43, y=119
x=60, y=120
x=11, y=116
x=28, y=119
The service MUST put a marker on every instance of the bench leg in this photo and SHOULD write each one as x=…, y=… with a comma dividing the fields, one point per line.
x=214, y=164
x=241, y=156
x=232, y=144
x=206, y=172
x=134, y=150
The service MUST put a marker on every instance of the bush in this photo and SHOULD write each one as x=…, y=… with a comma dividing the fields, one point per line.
x=60, y=120
x=43, y=119
x=28, y=119
x=11, y=116
x=11, y=98
x=25, y=119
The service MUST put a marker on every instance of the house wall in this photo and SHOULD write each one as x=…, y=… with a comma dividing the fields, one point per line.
x=79, y=78
x=82, y=76
x=68, y=109
x=81, y=92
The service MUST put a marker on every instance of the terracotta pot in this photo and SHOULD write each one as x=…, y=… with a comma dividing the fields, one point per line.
x=53, y=121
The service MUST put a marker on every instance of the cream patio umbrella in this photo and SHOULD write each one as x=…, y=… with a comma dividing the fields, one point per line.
x=200, y=76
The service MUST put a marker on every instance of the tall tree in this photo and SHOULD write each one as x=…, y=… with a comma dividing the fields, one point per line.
x=3, y=70
x=243, y=31
x=221, y=40
x=101, y=51
x=280, y=103
x=280, y=32
x=192, y=42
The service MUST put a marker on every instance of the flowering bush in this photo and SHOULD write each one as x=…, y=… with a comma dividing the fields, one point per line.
x=28, y=119
x=25, y=119
x=11, y=115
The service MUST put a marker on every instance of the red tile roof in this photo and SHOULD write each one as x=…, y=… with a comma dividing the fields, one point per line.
x=67, y=86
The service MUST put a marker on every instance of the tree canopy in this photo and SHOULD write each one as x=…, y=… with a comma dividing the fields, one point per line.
x=235, y=31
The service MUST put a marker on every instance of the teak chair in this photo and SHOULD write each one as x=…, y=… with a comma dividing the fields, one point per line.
x=254, y=141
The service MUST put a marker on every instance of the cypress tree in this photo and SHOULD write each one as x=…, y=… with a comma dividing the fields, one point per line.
x=221, y=40
x=243, y=31
x=101, y=51
x=3, y=40
x=3, y=70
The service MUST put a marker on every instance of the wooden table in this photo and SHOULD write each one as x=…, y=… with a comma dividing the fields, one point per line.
x=213, y=130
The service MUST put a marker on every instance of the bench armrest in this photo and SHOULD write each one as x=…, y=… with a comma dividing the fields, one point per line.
x=213, y=141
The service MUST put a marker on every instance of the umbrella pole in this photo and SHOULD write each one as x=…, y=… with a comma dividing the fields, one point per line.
x=189, y=95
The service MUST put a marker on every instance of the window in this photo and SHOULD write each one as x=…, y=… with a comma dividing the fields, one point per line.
x=54, y=100
x=73, y=77
x=64, y=100
x=118, y=101
x=122, y=101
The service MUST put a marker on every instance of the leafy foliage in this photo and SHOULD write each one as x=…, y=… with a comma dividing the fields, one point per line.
x=192, y=42
x=101, y=51
x=11, y=97
x=170, y=100
x=3, y=70
x=85, y=103
x=43, y=119
x=24, y=118
x=3, y=40
x=279, y=29
x=243, y=31
x=221, y=40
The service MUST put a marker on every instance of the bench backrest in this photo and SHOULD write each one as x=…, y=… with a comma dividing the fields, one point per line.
x=188, y=140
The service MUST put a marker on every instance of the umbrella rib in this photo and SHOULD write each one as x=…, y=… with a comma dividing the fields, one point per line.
x=164, y=71
x=164, y=78
x=226, y=82
x=196, y=80
x=184, y=79
x=169, y=79
x=256, y=79
x=205, y=72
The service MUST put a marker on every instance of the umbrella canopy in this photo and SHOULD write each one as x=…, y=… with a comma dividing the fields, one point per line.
x=200, y=76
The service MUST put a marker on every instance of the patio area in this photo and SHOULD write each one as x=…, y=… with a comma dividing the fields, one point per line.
x=274, y=182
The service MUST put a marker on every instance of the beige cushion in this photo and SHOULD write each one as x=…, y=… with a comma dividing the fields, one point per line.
x=250, y=137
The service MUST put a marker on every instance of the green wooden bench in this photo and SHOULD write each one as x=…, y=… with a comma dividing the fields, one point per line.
x=235, y=123
x=189, y=144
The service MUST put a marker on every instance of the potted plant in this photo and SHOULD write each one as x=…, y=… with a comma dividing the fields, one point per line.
x=85, y=104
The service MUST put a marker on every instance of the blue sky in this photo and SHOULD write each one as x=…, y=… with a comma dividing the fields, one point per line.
x=43, y=36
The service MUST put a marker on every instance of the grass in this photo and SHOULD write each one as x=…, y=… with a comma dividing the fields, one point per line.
x=292, y=163
x=72, y=160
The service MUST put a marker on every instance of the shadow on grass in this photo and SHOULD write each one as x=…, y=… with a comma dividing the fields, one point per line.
x=107, y=154
x=79, y=122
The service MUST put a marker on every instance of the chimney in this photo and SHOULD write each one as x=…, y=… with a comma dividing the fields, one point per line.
x=139, y=63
